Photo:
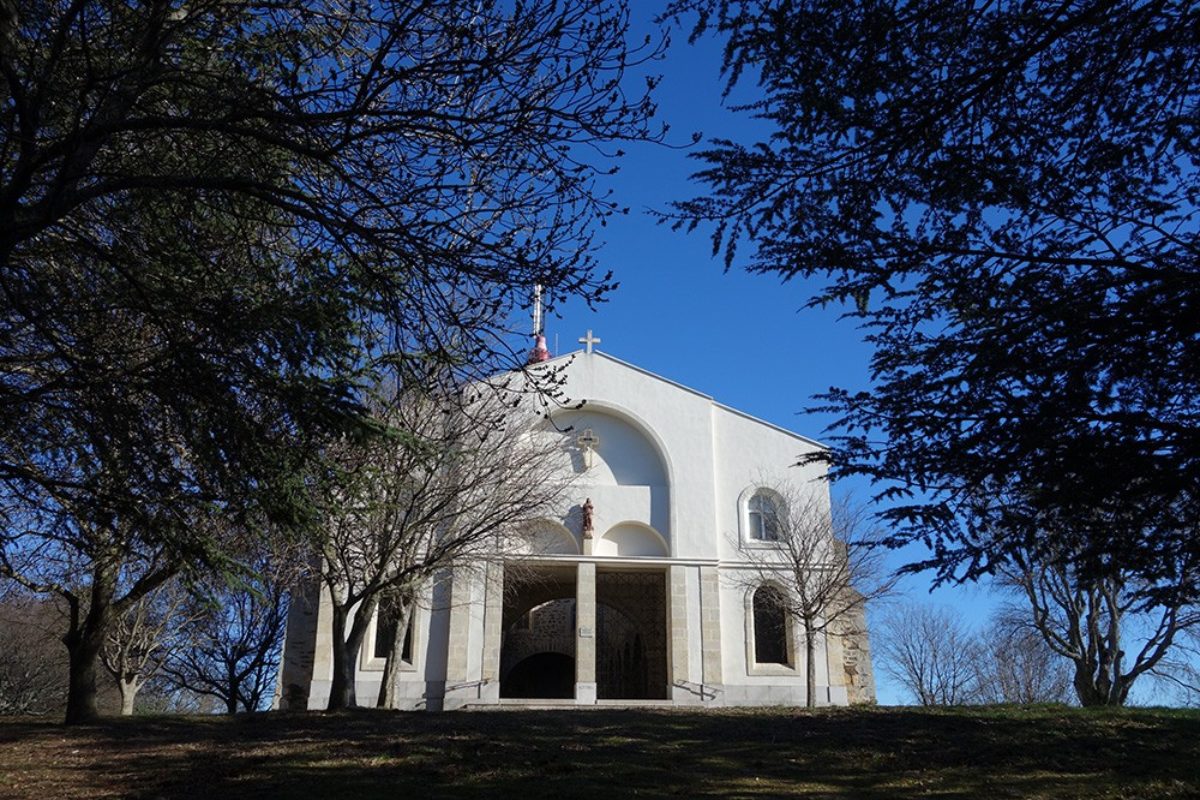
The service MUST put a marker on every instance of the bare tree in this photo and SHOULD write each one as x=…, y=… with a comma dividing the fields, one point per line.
x=139, y=642
x=825, y=556
x=455, y=477
x=1015, y=665
x=929, y=651
x=33, y=676
x=1099, y=618
x=1179, y=672
x=235, y=635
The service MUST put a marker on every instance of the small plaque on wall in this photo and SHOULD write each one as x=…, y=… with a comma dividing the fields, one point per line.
x=585, y=633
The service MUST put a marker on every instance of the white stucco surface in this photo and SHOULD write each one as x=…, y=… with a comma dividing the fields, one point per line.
x=668, y=481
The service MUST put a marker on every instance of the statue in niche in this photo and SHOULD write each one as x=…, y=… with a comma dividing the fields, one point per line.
x=587, y=518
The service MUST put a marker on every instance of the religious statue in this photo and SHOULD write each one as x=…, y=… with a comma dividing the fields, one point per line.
x=587, y=518
x=588, y=442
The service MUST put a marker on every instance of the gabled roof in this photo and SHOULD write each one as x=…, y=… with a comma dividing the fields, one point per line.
x=576, y=353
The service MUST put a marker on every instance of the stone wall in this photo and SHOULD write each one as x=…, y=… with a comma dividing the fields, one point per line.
x=547, y=628
x=299, y=654
x=857, y=673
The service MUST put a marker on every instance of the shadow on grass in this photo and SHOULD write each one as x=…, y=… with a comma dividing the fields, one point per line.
x=867, y=753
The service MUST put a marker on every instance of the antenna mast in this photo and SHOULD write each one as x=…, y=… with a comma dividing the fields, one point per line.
x=540, y=352
x=537, y=309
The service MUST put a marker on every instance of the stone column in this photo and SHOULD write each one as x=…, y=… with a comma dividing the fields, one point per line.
x=457, y=690
x=710, y=633
x=680, y=690
x=493, y=629
x=585, y=634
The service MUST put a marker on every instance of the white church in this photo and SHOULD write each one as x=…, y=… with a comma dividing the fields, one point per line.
x=640, y=593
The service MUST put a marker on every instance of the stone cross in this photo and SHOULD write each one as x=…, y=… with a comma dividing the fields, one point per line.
x=588, y=341
x=589, y=441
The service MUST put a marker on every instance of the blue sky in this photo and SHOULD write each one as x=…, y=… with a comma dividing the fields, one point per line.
x=743, y=339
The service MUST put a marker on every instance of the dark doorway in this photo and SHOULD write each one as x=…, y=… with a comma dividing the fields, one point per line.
x=537, y=648
x=542, y=675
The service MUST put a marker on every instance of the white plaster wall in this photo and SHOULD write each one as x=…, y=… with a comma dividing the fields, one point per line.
x=754, y=454
x=736, y=658
x=676, y=421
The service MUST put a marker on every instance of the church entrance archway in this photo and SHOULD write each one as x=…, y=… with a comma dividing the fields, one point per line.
x=631, y=641
x=537, y=647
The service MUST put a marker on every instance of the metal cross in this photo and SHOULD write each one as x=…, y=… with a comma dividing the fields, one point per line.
x=589, y=441
x=589, y=340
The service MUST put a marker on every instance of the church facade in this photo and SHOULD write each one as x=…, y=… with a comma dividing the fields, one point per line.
x=639, y=591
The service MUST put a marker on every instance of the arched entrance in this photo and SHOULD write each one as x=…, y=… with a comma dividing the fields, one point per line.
x=537, y=646
x=541, y=628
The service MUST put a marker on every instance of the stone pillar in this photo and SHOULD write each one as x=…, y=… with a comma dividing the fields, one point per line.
x=302, y=649
x=457, y=690
x=710, y=633
x=493, y=630
x=585, y=634
x=677, y=629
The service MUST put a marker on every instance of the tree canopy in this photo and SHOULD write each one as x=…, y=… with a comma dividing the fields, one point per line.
x=1004, y=194
x=219, y=220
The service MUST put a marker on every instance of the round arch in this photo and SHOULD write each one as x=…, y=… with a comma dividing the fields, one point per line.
x=641, y=426
x=632, y=539
x=548, y=537
x=744, y=507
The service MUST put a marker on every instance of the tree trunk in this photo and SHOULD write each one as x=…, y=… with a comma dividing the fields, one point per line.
x=129, y=690
x=810, y=663
x=346, y=645
x=341, y=687
x=232, y=689
x=84, y=639
x=1095, y=691
x=83, y=652
x=389, y=688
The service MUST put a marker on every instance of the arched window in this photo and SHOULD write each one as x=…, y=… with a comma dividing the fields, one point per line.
x=764, y=518
x=770, y=626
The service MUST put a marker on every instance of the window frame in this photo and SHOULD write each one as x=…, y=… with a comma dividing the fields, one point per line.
x=368, y=662
x=753, y=665
x=749, y=507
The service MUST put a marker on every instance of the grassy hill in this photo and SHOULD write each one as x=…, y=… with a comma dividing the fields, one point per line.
x=610, y=754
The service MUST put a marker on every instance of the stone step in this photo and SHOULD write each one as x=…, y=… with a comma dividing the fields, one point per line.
x=521, y=703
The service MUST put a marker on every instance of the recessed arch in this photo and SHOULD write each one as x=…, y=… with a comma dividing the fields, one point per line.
x=628, y=454
x=627, y=473
x=547, y=537
x=632, y=539
x=643, y=427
